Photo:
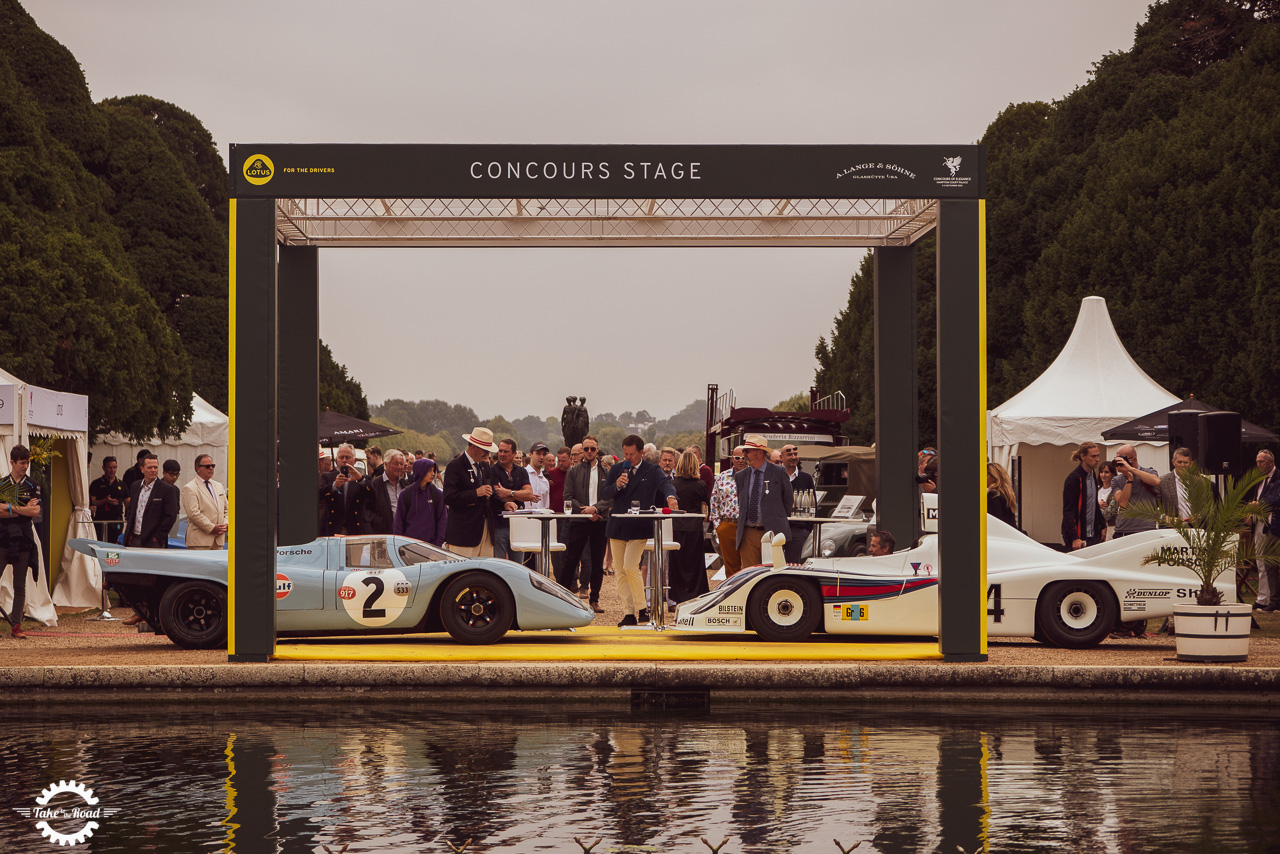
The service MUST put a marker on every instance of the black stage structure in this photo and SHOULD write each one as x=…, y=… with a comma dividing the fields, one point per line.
x=288, y=200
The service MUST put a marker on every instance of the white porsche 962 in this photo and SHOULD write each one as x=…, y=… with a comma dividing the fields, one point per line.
x=1070, y=600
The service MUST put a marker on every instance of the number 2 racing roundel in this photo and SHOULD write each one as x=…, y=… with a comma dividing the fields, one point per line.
x=374, y=598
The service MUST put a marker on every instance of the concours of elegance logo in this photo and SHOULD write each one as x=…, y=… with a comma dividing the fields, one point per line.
x=954, y=178
x=74, y=816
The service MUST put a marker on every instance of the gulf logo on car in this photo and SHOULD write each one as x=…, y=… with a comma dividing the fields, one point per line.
x=283, y=585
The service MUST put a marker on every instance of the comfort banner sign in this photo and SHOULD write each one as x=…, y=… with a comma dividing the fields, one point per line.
x=609, y=171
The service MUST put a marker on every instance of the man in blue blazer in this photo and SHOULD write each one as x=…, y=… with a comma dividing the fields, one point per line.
x=644, y=483
x=765, y=498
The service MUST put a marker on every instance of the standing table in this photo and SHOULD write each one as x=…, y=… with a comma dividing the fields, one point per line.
x=543, y=559
x=817, y=523
x=658, y=567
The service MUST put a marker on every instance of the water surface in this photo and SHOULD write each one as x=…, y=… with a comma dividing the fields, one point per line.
x=407, y=777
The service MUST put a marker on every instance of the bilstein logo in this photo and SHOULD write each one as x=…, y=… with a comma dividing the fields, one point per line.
x=258, y=169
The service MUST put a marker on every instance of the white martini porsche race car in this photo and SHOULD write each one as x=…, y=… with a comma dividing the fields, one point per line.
x=1070, y=600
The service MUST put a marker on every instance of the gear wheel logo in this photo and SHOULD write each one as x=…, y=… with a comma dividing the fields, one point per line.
x=74, y=812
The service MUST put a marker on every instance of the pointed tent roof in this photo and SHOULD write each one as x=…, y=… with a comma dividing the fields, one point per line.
x=1093, y=385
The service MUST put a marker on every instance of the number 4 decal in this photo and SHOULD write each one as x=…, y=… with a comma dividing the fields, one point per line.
x=993, y=596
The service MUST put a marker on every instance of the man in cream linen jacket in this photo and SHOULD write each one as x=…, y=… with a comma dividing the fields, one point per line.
x=205, y=503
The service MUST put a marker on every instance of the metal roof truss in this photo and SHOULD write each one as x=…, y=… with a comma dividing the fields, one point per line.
x=599, y=222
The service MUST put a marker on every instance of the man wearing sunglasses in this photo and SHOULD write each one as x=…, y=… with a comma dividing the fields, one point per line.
x=582, y=487
x=204, y=500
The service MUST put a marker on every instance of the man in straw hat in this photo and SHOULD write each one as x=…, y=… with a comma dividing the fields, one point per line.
x=764, y=500
x=468, y=493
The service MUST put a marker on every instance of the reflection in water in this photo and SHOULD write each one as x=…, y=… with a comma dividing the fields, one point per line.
x=408, y=778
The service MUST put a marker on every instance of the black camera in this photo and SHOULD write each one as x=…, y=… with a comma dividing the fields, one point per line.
x=1120, y=461
x=346, y=471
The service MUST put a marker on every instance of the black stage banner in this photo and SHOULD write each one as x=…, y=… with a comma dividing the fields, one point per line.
x=608, y=171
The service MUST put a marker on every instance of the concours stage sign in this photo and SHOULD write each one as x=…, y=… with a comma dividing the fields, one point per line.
x=609, y=171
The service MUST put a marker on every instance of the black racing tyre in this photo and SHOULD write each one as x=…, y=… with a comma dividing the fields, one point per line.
x=1076, y=614
x=784, y=609
x=477, y=608
x=194, y=614
x=859, y=549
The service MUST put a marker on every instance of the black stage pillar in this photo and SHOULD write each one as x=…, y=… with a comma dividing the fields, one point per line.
x=299, y=392
x=897, y=499
x=252, y=561
x=962, y=412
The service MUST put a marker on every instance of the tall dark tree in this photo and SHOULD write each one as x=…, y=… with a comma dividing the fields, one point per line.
x=75, y=317
x=338, y=391
x=176, y=244
x=1155, y=186
x=847, y=362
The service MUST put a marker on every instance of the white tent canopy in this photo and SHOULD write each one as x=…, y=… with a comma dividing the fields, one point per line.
x=1094, y=384
x=30, y=409
x=209, y=433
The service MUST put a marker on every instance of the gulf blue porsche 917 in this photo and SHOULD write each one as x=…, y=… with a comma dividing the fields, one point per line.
x=342, y=586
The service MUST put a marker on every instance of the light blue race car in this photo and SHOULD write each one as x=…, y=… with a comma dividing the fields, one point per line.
x=342, y=586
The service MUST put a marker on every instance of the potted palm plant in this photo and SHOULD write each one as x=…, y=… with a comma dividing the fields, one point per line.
x=1211, y=630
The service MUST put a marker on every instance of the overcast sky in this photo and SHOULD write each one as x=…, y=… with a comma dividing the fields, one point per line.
x=841, y=72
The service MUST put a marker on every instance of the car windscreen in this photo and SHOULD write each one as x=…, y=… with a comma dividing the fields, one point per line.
x=412, y=553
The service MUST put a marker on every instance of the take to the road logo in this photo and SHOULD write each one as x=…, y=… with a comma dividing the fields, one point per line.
x=258, y=169
x=73, y=816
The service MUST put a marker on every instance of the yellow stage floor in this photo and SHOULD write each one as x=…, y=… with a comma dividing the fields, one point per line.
x=598, y=643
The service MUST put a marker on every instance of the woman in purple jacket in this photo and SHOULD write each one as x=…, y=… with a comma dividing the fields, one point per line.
x=420, y=512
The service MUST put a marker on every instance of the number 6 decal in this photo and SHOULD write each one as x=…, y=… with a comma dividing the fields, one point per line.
x=374, y=598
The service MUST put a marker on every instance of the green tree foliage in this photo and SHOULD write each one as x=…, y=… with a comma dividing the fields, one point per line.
x=682, y=440
x=796, y=403
x=610, y=436
x=190, y=144
x=503, y=429
x=176, y=245
x=412, y=440
x=1154, y=186
x=847, y=362
x=429, y=416
x=76, y=318
x=338, y=391
x=692, y=417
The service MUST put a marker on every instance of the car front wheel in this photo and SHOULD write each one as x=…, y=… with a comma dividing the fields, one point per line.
x=194, y=614
x=1076, y=614
x=477, y=608
x=784, y=609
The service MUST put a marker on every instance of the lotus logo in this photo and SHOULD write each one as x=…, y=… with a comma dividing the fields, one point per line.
x=952, y=163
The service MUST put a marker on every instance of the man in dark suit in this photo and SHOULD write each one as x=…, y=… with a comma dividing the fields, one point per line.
x=468, y=494
x=642, y=482
x=801, y=481
x=582, y=487
x=1267, y=530
x=153, y=509
x=341, y=497
x=765, y=499
x=381, y=492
